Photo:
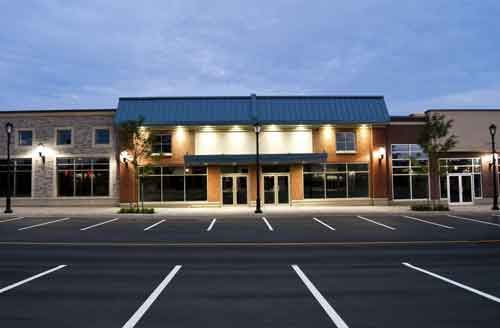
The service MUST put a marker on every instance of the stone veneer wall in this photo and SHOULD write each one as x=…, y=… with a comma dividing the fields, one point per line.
x=44, y=125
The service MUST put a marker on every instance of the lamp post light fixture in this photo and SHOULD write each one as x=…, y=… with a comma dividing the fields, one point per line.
x=493, y=131
x=257, y=129
x=9, y=127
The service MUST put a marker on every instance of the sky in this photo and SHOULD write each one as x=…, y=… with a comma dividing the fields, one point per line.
x=86, y=54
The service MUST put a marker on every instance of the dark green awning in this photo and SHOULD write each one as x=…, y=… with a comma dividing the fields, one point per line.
x=266, y=159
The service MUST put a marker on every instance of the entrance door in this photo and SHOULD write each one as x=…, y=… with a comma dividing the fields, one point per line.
x=234, y=190
x=276, y=189
x=460, y=189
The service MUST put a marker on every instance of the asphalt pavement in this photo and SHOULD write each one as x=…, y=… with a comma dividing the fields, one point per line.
x=303, y=270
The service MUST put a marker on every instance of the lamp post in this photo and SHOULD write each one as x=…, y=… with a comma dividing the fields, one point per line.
x=8, y=128
x=257, y=129
x=493, y=131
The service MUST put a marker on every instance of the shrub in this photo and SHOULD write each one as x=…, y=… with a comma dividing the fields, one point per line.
x=429, y=207
x=136, y=210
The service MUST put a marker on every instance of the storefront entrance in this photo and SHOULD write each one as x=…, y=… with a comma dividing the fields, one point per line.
x=460, y=189
x=234, y=189
x=276, y=188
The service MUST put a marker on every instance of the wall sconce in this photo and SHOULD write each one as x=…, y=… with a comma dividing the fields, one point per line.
x=124, y=156
x=41, y=152
x=380, y=153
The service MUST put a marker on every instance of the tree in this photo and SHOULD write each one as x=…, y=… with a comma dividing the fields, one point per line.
x=435, y=139
x=136, y=142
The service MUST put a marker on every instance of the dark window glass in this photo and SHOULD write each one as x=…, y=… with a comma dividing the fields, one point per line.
x=20, y=179
x=336, y=168
x=102, y=137
x=358, y=184
x=65, y=183
x=64, y=137
x=83, y=183
x=336, y=185
x=25, y=138
x=400, y=148
x=172, y=170
x=173, y=188
x=314, y=185
x=420, y=186
x=101, y=183
x=234, y=169
x=401, y=186
x=196, y=187
x=151, y=188
x=459, y=161
x=275, y=168
x=150, y=170
x=400, y=162
x=198, y=170
x=162, y=144
x=345, y=141
x=313, y=168
x=477, y=186
x=357, y=167
x=23, y=184
x=3, y=183
x=444, y=186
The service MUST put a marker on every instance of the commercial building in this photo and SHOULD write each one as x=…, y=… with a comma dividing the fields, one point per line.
x=331, y=150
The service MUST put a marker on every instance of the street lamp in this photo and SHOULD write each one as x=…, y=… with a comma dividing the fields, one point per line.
x=257, y=129
x=493, y=131
x=8, y=128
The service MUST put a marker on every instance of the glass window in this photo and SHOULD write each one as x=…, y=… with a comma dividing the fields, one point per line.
x=196, y=187
x=336, y=185
x=420, y=186
x=461, y=165
x=410, y=172
x=358, y=184
x=63, y=137
x=443, y=182
x=82, y=177
x=173, y=188
x=477, y=186
x=102, y=137
x=20, y=180
x=401, y=186
x=345, y=141
x=314, y=185
x=151, y=188
x=336, y=167
x=162, y=144
x=25, y=138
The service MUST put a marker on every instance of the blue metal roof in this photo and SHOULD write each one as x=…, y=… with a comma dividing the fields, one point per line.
x=227, y=159
x=252, y=109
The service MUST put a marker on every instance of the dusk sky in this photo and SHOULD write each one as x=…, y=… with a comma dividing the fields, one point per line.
x=86, y=54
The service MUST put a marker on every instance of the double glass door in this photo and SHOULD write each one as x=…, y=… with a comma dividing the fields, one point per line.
x=234, y=190
x=276, y=189
x=460, y=189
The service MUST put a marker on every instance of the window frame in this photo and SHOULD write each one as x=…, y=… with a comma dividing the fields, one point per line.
x=74, y=170
x=18, y=137
x=161, y=134
x=410, y=174
x=56, y=130
x=354, y=151
x=473, y=173
x=94, y=131
x=14, y=172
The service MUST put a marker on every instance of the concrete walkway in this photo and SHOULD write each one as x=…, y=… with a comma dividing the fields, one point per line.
x=230, y=211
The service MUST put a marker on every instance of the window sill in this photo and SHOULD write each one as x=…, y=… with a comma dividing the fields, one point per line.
x=348, y=152
x=162, y=154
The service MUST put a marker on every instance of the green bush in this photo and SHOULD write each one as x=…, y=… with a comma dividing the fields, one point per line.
x=429, y=207
x=136, y=210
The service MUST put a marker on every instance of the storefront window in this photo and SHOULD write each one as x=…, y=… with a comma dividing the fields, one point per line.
x=336, y=181
x=82, y=177
x=20, y=177
x=410, y=172
x=460, y=165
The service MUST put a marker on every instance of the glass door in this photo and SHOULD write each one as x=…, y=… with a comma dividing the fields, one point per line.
x=227, y=190
x=234, y=189
x=241, y=190
x=466, y=188
x=460, y=189
x=276, y=189
x=269, y=190
x=283, y=194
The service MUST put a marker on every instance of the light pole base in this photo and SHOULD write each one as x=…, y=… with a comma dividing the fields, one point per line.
x=495, y=208
x=8, y=211
x=258, y=211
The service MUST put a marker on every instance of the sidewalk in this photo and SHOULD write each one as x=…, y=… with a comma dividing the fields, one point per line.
x=219, y=211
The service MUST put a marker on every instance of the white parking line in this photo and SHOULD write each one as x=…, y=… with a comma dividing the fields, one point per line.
x=470, y=289
x=14, y=219
x=323, y=223
x=98, y=224
x=330, y=311
x=211, y=225
x=267, y=223
x=474, y=220
x=154, y=225
x=22, y=282
x=42, y=224
x=429, y=222
x=375, y=222
x=150, y=300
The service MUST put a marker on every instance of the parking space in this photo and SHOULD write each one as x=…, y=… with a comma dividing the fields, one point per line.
x=300, y=228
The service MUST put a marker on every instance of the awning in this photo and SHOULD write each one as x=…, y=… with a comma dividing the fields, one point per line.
x=265, y=159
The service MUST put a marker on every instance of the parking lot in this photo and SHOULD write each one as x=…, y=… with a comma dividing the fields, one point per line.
x=282, y=271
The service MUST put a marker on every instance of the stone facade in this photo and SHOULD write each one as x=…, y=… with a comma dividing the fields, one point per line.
x=44, y=126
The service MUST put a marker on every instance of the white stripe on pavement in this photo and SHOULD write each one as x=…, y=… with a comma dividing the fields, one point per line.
x=470, y=289
x=267, y=223
x=150, y=300
x=98, y=224
x=22, y=282
x=375, y=222
x=42, y=224
x=211, y=225
x=14, y=219
x=323, y=223
x=154, y=225
x=330, y=311
x=429, y=222
x=473, y=220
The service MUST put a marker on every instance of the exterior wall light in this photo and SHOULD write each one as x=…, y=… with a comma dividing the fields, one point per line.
x=124, y=156
x=380, y=153
x=42, y=152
